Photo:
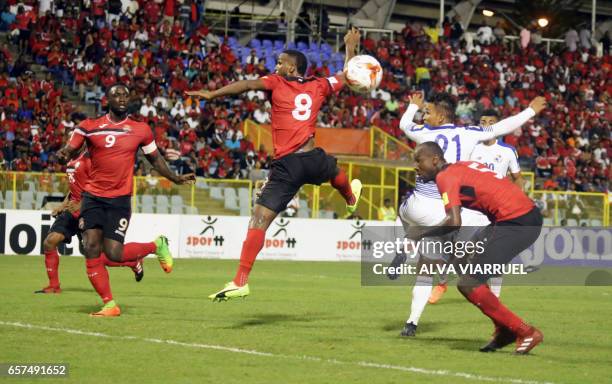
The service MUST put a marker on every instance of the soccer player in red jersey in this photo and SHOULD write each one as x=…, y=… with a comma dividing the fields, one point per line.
x=66, y=225
x=112, y=142
x=515, y=224
x=296, y=101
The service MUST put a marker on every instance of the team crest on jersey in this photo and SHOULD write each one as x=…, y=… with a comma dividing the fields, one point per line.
x=498, y=158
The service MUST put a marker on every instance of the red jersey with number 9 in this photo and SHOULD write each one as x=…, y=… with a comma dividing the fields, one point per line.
x=473, y=185
x=112, y=148
x=296, y=102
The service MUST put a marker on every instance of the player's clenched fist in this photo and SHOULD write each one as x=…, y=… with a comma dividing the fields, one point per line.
x=417, y=99
x=538, y=104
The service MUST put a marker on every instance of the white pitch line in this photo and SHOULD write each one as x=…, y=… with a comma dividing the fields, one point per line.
x=422, y=371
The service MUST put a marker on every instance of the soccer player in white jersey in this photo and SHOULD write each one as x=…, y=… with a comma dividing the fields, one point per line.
x=497, y=155
x=424, y=206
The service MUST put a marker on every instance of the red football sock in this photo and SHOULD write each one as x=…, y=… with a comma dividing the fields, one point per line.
x=109, y=263
x=98, y=276
x=342, y=184
x=52, y=262
x=135, y=251
x=489, y=304
x=251, y=246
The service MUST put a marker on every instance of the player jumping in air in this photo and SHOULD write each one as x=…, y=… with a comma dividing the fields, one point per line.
x=501, y=158
x=112, y=142
x=296, y=101
x=515, y=224
x=424, y=207
x=66, y=225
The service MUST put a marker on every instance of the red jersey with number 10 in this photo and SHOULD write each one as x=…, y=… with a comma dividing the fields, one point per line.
x=112, y=148
x=473, y=185
x=296, y=102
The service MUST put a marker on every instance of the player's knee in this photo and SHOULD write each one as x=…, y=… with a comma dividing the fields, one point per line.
x=115, y=254
x=262, y=220
x=51, y=241
x=91, y=249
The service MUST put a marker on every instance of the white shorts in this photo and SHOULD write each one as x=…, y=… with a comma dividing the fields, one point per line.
x=427, y=211
x=422, y=210
x=472, y=218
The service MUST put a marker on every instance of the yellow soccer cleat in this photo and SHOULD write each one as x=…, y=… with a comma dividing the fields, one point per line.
x=356, y=188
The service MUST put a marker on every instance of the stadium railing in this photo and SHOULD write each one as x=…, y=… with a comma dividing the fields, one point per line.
x=27, y=190
x=383, y=146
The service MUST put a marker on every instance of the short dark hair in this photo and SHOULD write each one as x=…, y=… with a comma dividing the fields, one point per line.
x=109, y=89
x=445, y=102
x=490, y=112
x=301, y=62
x=432, y=148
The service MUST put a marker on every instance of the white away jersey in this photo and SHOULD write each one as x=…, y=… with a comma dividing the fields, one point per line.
x=457, y=143
x=498, y=157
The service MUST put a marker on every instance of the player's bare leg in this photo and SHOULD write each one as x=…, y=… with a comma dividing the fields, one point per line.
x=260, y=221
x=50, y=245
x=420, y=295
x=97, y=273
x=508, y=326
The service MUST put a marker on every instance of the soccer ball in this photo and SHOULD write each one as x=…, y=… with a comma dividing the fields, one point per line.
x=363, y=73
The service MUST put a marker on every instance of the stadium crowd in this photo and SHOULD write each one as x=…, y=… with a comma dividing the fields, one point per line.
x=162, y=49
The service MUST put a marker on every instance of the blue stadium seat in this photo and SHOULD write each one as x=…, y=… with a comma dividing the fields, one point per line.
x=291, y=45
x=267, y=44
x=301, y=46
x=279, y=44
x=255, y=43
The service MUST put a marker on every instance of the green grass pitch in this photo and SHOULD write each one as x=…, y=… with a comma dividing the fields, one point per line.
x=304, y=322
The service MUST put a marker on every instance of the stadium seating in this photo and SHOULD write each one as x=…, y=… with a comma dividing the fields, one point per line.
x=578, y=101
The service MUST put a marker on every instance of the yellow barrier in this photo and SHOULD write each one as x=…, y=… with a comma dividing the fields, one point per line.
x=568, y=208
x=23, y=190
x=386, y=147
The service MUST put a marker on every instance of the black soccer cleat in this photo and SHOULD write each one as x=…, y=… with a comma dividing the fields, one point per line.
x=399, y=259
x=138, y=271
x=501, y=338
x=409, y=330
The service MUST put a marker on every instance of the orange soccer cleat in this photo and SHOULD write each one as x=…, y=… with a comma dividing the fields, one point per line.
x=437, y=293
x=527, y=343
x=109, y=309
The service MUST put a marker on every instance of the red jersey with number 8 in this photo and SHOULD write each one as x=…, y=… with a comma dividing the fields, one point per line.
x=112, y=147
x=296, y=102
x=473, y=185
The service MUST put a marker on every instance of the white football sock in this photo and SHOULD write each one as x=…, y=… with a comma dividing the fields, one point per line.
x=495, y=283
x=420, y=296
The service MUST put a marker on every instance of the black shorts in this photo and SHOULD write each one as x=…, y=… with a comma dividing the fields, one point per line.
x=67, y=225
x=289, y=173
x=506, y=239
x=112, y=215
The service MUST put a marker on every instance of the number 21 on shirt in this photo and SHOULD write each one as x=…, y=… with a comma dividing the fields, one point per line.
x=443, y=142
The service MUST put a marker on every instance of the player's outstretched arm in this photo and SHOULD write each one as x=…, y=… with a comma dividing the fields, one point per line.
x=234, y=88
x=511, y=123
x=450, y=223
x=161, y=166
x=67, y=153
